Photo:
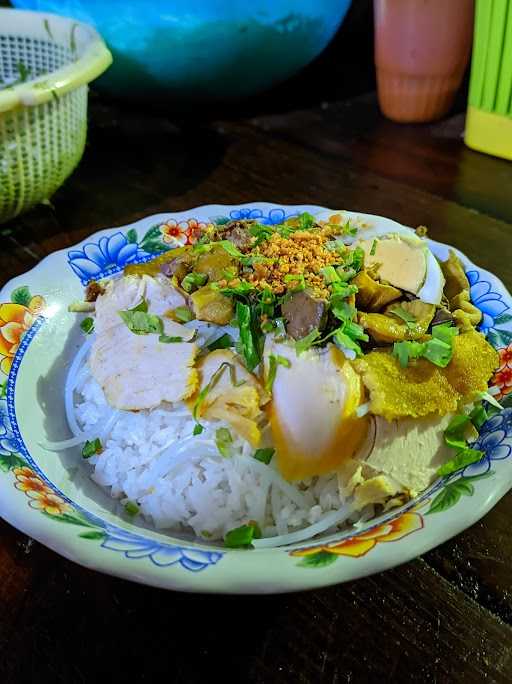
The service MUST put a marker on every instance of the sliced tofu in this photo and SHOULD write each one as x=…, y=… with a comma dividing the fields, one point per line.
x=399, y=457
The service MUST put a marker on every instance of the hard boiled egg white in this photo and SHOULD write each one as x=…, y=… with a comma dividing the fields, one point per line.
x=312, y=413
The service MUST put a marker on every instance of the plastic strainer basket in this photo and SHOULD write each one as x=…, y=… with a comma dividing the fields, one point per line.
x=46, y=62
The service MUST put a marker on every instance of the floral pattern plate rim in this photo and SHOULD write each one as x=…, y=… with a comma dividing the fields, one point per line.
x=42, y=495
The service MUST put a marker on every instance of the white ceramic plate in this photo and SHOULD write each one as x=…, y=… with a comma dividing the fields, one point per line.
x=49, y=496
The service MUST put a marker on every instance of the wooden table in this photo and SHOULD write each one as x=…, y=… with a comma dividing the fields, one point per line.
x=446, y=617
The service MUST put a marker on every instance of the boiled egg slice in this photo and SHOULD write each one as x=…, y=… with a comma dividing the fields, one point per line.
x=313, y=410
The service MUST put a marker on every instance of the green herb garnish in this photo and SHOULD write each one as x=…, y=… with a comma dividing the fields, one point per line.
x=273, y=362
x=373, y=248
x=169, y=339
x=264, y=455
x=296, y=278
x=183, y=314
x=485, y=396
x=306, y=342
x=223, y=342
x=242, y=536
x=87, y=325
x=407, y=317
x=330, y=275
x=306, y=221
x=454, y=433
x=140, y=322
x=438, y=350
x=198, y=428
x=462, y=459
x=91, y=448
x=223, y=440
x=192, y=281
x=478, y=416
x=250, y=339
x=131, y=508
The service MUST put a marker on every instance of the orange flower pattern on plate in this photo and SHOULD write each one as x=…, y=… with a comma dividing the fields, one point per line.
x=182, y=233
x=503, y=376
x=41, y=496
x=15, y=320
x=361, y=544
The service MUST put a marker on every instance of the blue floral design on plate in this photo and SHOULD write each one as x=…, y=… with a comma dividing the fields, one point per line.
x=8, y=442
x=109, y=254
x=274, y=216
x=490, y=303
x=162, y=555
x=495, y=440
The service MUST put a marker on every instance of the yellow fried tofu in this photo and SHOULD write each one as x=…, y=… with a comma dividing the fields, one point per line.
x=417, y=390
x=474, y=361
x=422, y=388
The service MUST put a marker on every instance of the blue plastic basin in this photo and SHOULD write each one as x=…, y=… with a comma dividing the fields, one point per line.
x=203, y=49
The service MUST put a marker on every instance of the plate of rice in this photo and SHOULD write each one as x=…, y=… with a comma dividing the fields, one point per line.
x=254, y=398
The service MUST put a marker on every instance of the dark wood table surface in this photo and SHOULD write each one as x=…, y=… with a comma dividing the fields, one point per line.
x=445, y=617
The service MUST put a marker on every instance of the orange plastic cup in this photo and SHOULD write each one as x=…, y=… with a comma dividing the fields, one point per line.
x=421, y=52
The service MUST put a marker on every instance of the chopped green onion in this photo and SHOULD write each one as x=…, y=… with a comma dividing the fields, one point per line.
x=242, y=289
x=306, y=221
x=485, y=396
x=250, y=343
x=347, y=229
x=223, y=342
x=169, y=339
x=478, y=416
x=445, y=332
x=92, y=448
x=306, y=342
x=330, y=275
x=131, y=508
x=438, y=352
x=454, y=433
x=87, y=325
x=355, y=259
x=223, y=440
x=273, y=362
x=408, y=350
x=198, y=428
x=242, y=536
x=373, y=248
x=193, y=280
x=297, y=278
x=407, y=317
x=183, y=314
x=462, y=459
x=264, y=455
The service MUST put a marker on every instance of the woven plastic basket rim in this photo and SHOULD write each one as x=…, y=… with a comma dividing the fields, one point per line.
x=93, y=61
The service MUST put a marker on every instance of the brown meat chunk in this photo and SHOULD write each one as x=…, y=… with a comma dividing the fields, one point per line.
x=303, y=312
x=238, y=233
x=93, y=291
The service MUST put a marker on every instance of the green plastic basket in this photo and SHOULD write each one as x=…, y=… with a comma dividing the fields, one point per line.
x=489, y=116
x=46, y=62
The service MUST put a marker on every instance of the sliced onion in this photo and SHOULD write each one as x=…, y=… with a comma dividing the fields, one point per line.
x=71, y=384
x=333, y=518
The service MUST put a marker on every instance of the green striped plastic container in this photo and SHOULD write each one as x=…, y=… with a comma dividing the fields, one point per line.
x=489, y=116
x=46, y=62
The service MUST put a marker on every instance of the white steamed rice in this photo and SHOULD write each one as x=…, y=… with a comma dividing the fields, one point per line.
x=181, y=482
